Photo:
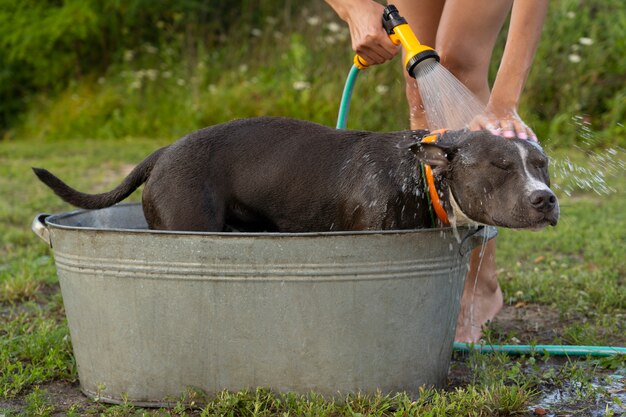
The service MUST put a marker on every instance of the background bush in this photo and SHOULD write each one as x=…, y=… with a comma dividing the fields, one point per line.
x=109, y=69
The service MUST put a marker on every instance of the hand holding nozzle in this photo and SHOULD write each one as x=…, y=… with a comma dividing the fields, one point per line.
x=369, y=39
x=400, y=33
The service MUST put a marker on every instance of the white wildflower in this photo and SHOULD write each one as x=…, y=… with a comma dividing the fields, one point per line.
x=585, y=41
x=128, y=55
x=382, y=89
x=135, y=85
x=166, y=74
x=243, y=68
x=151, y=49
x=575, y=58
x=301, y=85
x=571, y=15
x=271, y=20
x=151, y=74
x=342, y=35
x=313, y=20
x=329, y=40
x=256, y=32
x=333, y=27
x=180, y=82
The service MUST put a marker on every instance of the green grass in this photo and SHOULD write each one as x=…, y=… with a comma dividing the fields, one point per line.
x=576, y=268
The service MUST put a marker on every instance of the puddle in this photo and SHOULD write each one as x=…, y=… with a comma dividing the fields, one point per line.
x=605, y=396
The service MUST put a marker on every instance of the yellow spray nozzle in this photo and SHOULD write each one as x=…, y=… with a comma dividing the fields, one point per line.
x=415, y=51
x=400, y=33
x=360, y=62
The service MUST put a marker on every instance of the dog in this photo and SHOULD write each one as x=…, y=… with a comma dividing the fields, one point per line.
x=285, y=175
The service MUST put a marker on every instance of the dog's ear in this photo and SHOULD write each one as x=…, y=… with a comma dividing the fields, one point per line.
x=436, y=154
x=431, y=154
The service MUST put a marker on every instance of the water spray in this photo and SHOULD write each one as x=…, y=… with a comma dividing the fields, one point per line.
x=446, y=102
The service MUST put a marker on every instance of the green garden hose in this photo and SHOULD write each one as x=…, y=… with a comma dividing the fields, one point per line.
x=558, y=350
x=344, y=107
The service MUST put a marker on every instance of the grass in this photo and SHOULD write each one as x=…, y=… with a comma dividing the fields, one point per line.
x=575, y=268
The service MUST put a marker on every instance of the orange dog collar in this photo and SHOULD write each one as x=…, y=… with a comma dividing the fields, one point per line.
x=430, y=181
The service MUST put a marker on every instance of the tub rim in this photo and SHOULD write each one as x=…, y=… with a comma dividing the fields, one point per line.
x=51, y=220
x=468, y=236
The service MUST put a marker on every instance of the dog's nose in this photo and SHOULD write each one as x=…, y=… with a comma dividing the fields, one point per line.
x=543, y=200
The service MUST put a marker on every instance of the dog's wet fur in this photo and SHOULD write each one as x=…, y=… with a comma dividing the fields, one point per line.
x=286, y=175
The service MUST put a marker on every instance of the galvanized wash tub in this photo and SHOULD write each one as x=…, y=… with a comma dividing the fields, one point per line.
x=152, y=313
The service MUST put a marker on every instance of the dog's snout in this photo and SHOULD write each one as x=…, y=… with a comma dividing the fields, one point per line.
x=543, y=200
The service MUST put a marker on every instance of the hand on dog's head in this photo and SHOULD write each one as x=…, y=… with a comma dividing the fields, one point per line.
x=492, y=180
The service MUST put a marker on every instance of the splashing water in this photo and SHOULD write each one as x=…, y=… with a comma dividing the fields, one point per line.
x=447, y=102
x=601, y=164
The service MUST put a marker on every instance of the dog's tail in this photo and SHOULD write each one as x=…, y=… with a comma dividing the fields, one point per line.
x=137, y=176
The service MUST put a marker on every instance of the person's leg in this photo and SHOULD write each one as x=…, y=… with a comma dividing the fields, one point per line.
x=482, y=297
x=423, y=18
x=467, y=33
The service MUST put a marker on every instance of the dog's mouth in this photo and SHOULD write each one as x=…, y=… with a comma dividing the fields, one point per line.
x=542, y=225
x=529, y=222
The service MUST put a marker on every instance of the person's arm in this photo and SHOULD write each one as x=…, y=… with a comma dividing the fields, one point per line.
x=527, y=18
x=369, y=39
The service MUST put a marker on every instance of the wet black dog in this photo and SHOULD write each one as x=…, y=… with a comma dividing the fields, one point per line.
x=286, y=175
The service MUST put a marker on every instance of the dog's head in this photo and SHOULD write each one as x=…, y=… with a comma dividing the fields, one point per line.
x=493, y=180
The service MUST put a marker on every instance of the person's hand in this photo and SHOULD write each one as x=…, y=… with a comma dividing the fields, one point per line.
x=369, y=39
x=505, y=123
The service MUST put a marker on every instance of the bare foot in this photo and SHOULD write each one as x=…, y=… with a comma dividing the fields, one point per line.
x=482, y=297
x=472, y=317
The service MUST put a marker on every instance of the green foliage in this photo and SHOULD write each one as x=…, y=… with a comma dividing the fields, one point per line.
x=580, y=70
x=47, y=45
x=85, y=69
x=34, y=348
x=38, y=404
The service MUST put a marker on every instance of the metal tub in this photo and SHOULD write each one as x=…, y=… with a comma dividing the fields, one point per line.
x=152, y=313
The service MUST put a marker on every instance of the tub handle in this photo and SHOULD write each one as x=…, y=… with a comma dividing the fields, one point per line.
x=476, y=238
x=40, y=228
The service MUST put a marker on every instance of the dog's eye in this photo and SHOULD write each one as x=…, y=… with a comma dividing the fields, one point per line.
x=539, y=163
x=503, y=164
